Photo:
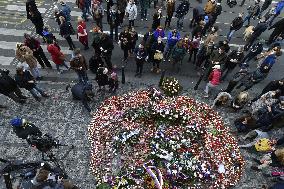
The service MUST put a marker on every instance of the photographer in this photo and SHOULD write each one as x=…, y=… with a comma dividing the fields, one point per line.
x=24, y=129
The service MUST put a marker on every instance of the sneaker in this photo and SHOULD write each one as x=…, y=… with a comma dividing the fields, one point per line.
x=158, y=71
x=169, y=60
x=206, y=96
x=142, y=19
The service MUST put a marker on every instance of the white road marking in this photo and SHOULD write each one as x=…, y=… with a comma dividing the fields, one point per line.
x=6, y=60
x=22, y=8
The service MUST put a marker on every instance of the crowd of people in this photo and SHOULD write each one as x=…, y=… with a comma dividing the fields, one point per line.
x=214, y=60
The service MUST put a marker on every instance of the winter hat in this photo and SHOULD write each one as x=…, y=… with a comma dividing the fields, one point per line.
x=17, y=122
x=217, y=67
x=19, y=45
x=105, y=71
x=62, y=2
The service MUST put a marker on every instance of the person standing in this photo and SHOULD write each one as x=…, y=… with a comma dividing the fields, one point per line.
x=57, y=14
x=144, y=4
x=255, y=50
x=215, y=14
x=114, y=22
x=278, y=8
x=131, y=12
x=78, y=63
x=236, y=24
x=278, y=30
x=37, y=20
x=197, y=16
x=257, y=31
x=38, y=53
x=98, y=13
x=124, y=41
x=82, y=4
x=82, y=33
x=148, y=41
x=157, y=49
x=133, y=39
x=253, y=11
x=178, y=54
x=181, y=11
x=140, y=58
x=66, y=31
x=121, y=6
x=234, y=59
x=194, y=45
x=25, y=80
x=170, y=12
x=10, y=88
x=56, y=55
x=264, y=6
x=173, y=38
x=106, y=47
x=65, y=10
x=25, y=54
x=157, y=19
x=214, y=79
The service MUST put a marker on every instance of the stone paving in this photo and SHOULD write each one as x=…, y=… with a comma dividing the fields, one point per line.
x=67, y=120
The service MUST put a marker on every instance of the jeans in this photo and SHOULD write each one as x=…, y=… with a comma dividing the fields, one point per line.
x=84, y=13
x=272, y=19
x=63, y=64
x=34, y=91
x=82, y=76
x=247, y=18
x=208, y=86
x=168, y=51
x=115, y=29
x=35, y=72
x=230, y=34
x=180, y=22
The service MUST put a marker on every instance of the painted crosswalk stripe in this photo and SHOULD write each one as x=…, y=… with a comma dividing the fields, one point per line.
x=22, y=8
x=5, y=61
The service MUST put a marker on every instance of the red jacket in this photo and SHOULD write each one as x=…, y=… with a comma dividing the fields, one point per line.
x=55, y=53
x=215, y=77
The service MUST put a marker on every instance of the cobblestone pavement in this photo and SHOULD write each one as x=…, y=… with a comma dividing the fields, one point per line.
x=67, y=120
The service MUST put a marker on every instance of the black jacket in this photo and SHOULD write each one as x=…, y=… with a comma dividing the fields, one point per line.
x=237, y=23
x=37, y=20
x=79, y=93
x=266, y=4
x=158, y=46
x=234, y=55
x=113, y=19
x=28, y=130
x=65, y=29
x=182, y=9
x=7, y=83
x=22, y=80
x=107, y=44
x=30, y=7
x=279, y=26
x=256, y=48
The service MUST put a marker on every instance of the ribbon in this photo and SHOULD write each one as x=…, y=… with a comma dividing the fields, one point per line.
x=158, y=181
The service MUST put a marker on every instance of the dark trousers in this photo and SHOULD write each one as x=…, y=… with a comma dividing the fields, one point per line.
x=70, y=42
x=225, y=72
x=131, y=23
x=273, y=36
x=41, y=58
x=248, y=57
x=115, y=30
x=243, y=2
x=39, y=30
x=250, y=42
x=139, y=66
x=143, y=13
x=17, y=96
x=125, y=53
x=99, y=23
x=120, y=17
x=168, y=20
x=82, y=76
x=107, y=59
x=232, y=84
x=156, y=63
x=194, y=52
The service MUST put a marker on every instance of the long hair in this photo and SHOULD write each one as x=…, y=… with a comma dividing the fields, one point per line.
x=280, y=155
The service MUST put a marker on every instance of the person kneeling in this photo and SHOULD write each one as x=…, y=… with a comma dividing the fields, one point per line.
x=83, y=91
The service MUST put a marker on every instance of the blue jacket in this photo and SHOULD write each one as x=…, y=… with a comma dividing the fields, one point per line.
x=158, y=33
x=269, y=60
x=171, y=41
x=279, y=7
x=66, y=11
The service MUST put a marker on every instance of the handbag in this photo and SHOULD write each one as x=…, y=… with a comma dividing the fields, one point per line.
x=158, y=56
x=62, y=57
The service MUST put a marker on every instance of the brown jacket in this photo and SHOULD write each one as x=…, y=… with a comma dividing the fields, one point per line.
x=26, y=55
x=170, y=8
x=211, y=38
x=209, y=7
x=77, y=62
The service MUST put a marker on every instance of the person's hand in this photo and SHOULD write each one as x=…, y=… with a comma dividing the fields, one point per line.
x=80, y=68
x=31, y=81
x=269, y=108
